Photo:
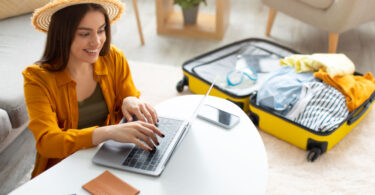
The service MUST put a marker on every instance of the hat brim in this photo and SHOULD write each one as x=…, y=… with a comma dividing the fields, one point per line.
x=42, y=16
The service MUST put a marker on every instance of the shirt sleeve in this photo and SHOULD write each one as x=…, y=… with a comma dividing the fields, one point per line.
x=123, y=81
x=51, y=140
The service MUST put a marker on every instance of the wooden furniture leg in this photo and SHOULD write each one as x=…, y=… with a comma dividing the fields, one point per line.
x=271, y=18
x=332, y=42
x=135, y=6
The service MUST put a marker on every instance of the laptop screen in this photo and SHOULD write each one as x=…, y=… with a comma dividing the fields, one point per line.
x=201, y=102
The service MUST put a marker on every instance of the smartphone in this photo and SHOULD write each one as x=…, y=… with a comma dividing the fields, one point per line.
x=218, y=117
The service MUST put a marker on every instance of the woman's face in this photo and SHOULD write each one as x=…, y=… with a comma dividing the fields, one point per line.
x=88, y=39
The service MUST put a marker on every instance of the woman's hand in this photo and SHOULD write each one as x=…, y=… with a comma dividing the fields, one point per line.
x=131, y=132
x=144, y=111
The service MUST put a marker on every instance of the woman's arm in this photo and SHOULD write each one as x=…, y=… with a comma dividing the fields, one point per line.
x=127, y=99
x=53, y=135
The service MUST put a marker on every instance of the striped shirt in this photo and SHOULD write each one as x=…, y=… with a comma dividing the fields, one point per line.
x=324, y=111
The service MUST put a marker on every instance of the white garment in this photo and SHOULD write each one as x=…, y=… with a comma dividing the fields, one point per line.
x=335, y=64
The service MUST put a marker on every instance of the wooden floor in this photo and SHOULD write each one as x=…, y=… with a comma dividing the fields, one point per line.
x=247, y=19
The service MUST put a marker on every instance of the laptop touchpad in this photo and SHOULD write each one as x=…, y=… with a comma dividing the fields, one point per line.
x=113, y=152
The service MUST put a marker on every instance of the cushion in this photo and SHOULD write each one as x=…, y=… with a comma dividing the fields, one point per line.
x=5, y=125
x=9, y=8
x=16, y=110
x=319, y=4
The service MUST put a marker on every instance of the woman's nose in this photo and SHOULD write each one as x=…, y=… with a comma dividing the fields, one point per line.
x=95, y=40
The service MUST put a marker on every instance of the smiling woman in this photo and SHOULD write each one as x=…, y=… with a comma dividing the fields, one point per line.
x=79, y=90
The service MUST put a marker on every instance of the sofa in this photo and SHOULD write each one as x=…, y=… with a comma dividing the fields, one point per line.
x=20, y=46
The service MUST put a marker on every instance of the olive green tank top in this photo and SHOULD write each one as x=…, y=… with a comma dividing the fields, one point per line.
x=93, y=110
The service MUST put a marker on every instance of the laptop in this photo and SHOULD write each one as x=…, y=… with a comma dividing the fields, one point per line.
x=129, y=157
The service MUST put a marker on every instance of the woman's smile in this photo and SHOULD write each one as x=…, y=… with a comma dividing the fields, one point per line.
x=92, y=52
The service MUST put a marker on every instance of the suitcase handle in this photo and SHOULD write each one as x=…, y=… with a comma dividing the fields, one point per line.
x=362, y=110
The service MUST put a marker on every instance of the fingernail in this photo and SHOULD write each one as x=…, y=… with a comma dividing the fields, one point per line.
x=158, y=120
x=157, y=125
x=162, y=135
x=154, y=148
x=157, y=143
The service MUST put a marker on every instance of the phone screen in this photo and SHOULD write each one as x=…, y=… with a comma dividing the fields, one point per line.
x=217, y=116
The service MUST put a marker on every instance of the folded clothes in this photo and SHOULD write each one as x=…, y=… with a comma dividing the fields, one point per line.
x=282, y=89
x=333, y=64
x=321, y=107
x=356, y=89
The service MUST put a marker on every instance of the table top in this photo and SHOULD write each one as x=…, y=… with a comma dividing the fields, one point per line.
x=209, y=160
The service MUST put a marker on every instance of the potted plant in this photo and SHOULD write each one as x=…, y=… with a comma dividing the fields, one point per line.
x=189, y=9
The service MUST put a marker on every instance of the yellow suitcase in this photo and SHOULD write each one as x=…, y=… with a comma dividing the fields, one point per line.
x=225, y=56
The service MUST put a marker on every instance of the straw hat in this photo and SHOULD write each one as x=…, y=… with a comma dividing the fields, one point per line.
x=42, y=16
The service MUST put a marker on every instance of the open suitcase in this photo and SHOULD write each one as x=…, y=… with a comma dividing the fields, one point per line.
x=198, y=80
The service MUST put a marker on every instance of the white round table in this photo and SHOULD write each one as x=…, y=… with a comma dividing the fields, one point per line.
x=209, y=160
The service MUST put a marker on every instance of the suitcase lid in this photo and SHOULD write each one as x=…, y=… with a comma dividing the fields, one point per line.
x=223, y=60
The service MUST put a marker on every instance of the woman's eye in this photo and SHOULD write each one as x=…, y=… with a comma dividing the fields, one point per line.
x=84, y=34
x=101, y=31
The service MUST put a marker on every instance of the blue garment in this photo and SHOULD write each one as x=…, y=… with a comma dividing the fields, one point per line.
x=282, y=89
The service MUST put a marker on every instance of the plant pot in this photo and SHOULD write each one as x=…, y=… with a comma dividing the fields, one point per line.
x=190, y=15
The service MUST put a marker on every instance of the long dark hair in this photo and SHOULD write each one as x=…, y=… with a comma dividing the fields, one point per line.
x=61, y=31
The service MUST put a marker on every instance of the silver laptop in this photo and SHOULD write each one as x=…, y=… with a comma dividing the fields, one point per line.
x=129, y=157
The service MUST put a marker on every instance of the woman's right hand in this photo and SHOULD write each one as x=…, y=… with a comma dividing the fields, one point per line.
x=131, y=132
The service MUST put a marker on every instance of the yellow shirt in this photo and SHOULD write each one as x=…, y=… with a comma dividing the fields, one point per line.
x=356, y=89
x=53, y=108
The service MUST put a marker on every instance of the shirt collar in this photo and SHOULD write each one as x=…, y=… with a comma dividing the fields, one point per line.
x=63, y=77
x=99, y=67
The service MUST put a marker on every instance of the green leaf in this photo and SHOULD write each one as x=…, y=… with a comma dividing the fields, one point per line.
x=187, y=4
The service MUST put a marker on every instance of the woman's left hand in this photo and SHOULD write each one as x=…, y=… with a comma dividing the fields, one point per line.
x=142, y=110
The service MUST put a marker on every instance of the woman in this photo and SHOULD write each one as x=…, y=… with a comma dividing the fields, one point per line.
x=82, y=86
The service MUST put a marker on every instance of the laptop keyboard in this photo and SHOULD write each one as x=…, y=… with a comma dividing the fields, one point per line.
x=141, y=159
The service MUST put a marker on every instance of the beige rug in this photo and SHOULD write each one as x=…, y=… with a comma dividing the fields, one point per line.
x=348, y=168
